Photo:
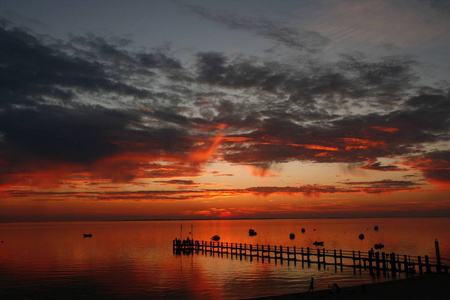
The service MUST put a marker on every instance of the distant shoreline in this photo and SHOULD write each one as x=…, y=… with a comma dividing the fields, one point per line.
x=224, y=219
x=428, y=286
x=240, y=219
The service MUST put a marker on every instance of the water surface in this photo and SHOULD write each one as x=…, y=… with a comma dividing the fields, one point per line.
x=134, y=260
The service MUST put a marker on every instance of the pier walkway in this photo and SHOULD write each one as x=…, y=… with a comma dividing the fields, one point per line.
x=374, y=261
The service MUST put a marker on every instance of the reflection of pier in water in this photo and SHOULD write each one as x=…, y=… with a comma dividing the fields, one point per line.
x=376, y=262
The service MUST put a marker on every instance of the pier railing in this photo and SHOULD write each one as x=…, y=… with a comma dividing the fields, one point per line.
x=374, y=261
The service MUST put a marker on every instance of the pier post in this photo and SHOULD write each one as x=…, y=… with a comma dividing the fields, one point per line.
x=405, y=262
x=335, y=260
x=393, y=265
x=438, y=257
x=354, y=260
x=427, y=264
x=324, y=258
x=340, y=255
x=419, y=261
x=295, y=254
x=359, y=260
x=318, y=258
x=377, y=262
x=307, y=256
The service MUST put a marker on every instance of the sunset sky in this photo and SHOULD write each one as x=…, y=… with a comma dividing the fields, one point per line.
x=223, y=109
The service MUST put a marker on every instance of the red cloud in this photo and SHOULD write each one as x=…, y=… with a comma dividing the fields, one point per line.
x=385, y=129
x=434, y=166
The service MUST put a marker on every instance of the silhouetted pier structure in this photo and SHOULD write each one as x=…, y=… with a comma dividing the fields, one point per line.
x=376, y=262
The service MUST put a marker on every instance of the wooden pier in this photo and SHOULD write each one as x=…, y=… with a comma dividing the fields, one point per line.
x=376, y=262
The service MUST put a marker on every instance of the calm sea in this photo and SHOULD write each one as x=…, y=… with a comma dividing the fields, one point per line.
x=134, y=260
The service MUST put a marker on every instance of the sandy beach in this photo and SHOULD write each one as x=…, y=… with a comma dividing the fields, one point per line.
x=424, y=287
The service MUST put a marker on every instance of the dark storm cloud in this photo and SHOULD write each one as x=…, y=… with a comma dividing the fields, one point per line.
x=359, y=138
x=351, y=82
x=111, y=51
x=386, y=79
x=431, y=111
x=107, y=143
x=47, y=91
x=57, y=133
x=32, y=71
x=277, y=32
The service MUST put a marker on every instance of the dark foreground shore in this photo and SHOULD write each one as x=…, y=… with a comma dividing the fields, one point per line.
x=424, y=287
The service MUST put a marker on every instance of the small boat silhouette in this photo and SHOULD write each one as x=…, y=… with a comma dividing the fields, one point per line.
x=361, y=236
x=215, y=238
x=378, y=246
x=292, y=236
x=252, y=232
x=85, y=235
x=318, y=243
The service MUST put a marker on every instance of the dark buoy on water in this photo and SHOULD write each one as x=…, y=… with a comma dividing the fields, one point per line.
x=375, y=228
x=361, y=236
x=303, y=230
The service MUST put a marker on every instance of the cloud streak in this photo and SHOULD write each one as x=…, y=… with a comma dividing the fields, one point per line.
x=286, y=35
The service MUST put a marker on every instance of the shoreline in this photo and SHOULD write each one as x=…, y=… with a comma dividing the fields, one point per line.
x=427, y=286
x=216, y=219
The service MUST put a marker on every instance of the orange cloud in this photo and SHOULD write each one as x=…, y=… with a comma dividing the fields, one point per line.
x=205, y=149
x=315, y=147
x=46, y=174
x=385, y=129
